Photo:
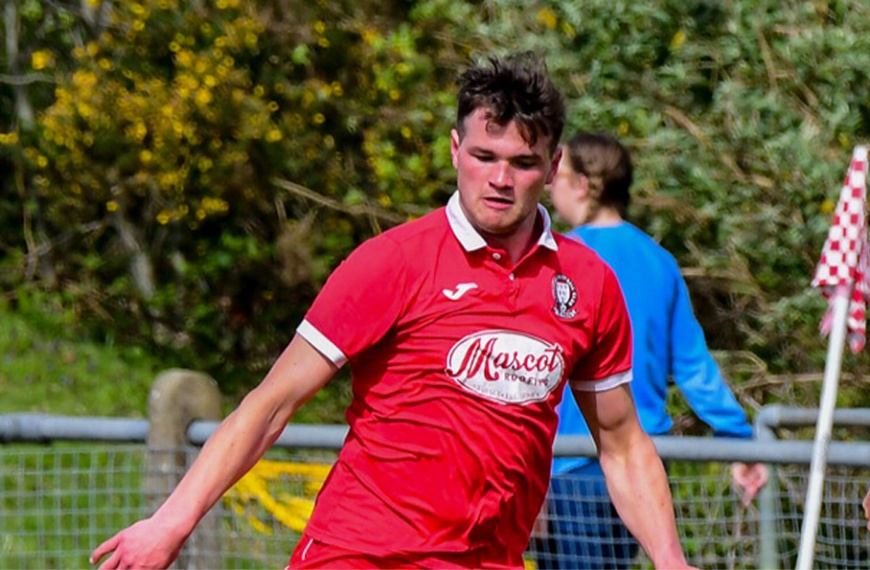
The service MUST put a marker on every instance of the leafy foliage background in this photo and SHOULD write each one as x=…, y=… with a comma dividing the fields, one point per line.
x=185, y=174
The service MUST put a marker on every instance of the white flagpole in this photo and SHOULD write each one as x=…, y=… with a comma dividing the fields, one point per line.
x=812, y=506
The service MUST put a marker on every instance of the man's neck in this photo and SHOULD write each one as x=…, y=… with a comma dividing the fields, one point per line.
x=519, y=242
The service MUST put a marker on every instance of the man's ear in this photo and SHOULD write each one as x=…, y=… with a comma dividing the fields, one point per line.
x=554, y=165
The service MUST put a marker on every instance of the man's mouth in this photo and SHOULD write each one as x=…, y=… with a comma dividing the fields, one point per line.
x=498, y=201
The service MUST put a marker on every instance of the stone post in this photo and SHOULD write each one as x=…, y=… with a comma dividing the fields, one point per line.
x=177, y=399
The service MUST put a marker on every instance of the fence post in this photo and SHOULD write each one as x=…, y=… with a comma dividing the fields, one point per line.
x=178, y=398
x=767, y=500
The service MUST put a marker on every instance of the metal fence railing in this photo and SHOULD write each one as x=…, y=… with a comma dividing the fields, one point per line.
x=60, y=501
x=61, y=494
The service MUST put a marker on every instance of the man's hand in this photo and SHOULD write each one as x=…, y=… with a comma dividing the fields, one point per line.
x=146, y=544
x=750, y=479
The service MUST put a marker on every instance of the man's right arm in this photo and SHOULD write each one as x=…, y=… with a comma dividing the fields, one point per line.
x=238, y=443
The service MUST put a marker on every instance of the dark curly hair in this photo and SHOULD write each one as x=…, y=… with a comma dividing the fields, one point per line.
x=514, y=88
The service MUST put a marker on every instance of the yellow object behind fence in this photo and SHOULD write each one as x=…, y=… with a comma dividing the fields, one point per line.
x=292, y=510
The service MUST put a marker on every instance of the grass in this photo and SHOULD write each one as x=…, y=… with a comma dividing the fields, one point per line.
x=46, y=367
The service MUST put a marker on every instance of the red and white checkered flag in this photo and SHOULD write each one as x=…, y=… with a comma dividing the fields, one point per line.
x=846, y=255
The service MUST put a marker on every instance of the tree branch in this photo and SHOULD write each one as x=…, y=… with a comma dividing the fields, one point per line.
x=27, y=79
x=373, y=212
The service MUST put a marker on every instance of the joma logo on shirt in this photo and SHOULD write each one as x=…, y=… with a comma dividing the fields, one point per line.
x=506, y=366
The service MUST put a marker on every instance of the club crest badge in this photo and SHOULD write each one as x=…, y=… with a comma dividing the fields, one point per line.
x=565, y=296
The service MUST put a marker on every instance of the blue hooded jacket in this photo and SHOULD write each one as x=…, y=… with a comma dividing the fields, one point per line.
x=668, y=341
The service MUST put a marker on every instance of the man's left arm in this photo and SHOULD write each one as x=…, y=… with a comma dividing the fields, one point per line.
x=635, y=476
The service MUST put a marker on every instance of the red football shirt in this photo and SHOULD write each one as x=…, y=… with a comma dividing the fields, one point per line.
x=457, y=358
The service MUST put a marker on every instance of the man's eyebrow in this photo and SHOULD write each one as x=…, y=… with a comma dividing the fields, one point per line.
x=528, y=156
x=480, y=149
x=488, y=151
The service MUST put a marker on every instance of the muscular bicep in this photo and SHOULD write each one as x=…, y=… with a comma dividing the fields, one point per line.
x=610, y=415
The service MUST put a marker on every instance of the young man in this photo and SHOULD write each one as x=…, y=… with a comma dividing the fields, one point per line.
x=591, y=192
x=460, y=328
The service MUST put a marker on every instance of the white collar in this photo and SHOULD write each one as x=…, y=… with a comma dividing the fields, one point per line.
x=471, y=240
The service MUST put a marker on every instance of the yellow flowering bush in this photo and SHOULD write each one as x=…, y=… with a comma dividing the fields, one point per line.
x=177, y=137
x=153, y=136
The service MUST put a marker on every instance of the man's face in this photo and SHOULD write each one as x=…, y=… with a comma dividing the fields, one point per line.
x=499, y=176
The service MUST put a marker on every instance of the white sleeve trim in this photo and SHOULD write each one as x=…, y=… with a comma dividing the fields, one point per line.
x=323, y=345
x=608, y=383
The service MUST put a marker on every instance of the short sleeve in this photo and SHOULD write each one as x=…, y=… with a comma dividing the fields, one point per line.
x=360, y=302
x=608, y=362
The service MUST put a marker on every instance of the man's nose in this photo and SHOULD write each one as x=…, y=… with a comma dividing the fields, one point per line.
x=501, y=175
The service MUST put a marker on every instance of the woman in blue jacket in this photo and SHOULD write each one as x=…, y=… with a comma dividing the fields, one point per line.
x=591, y=192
